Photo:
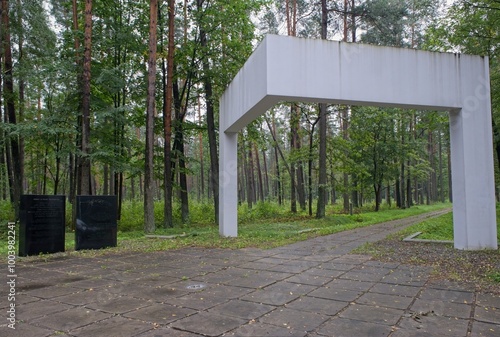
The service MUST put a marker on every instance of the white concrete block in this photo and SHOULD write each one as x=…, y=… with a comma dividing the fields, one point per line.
x=286, y=68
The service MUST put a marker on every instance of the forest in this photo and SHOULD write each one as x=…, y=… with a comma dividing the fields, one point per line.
x=120, y=97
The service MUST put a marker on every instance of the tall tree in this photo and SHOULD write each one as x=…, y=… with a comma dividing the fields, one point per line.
x=8, y=93
x=167, y=116
x=149, y=220
x=320, y=210
x=85, y=186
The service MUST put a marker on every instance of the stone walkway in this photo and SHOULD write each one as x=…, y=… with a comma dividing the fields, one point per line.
x=314, y=288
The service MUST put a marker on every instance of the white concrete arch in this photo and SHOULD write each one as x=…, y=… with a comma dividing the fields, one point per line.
x=286, y=68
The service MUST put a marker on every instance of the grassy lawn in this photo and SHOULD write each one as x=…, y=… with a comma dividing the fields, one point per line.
x=439, y=228
x=277, y=230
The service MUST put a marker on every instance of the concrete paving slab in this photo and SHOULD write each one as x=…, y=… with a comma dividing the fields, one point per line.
x=208, y=324
x=434, y=326
x=488, y=300
x=70, y=319
x=242, y=309
x=317, y=305
x=487, y=314
x=447, y=295
x=332, y=274
x=92, y=283
x=385, y=300
x=309, y=278
x=167, y=331
x=341, y=283
x=336, y=294
x=271, y=297
x=161, y=314
x=395, y=289
x=294, y=319
x=319, y=295
x=372, y=314
x=24, y=329
x=257, y=329
x=448, y=309
x=119, y=305
x=342, y=327
x=258, y=279
x=86, y=297
x=52, y=291
x=41, y=308
x=209, y=297
x=481, y=329
x=114, y=326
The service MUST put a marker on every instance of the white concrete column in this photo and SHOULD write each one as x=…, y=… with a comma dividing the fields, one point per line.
x=228, y=184
x=474, y=212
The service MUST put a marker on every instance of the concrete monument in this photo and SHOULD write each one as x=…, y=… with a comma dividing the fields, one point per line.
x=286, y=68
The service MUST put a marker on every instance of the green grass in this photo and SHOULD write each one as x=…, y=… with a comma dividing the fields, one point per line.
x=260, y=227
x=440, y=228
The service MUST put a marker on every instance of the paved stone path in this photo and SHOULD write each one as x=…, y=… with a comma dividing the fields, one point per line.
x=314, y=288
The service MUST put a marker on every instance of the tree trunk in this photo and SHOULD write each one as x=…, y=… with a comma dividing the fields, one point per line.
x=377, y=189
x=397, y=194
x=322, y=192
x=309, y=168
x=242, y=176
x=212, y=132
x=355, y=194
x=409, y=201
x=167, y=118
x=403, y=188
x=266, y=174
x=85, y=186
x=259, y=173
x=440, y=174
x=21, y=87
x=278, y=178
x=334, y=191
x=149, y=190
x=248, y=163
x=276, y=150
x=430, y=178
x=345, y=135
x=301, y=192
x=74, y=167
x=8, y=91
x=105, y=189
x=200, y=140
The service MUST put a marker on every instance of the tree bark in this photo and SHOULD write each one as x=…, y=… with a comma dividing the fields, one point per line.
x=211, y=129
x=266, y=174
x=8, y=91
x=321, y=207
x=278, y=177
x=149, y=190
x=259, y=172
x=85, y=186
x=167, y=119
x=345, y=134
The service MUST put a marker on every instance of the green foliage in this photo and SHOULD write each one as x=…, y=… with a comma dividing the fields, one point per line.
x=6, y=215
x=495, y=277
x=399, y=23
x=262, y=234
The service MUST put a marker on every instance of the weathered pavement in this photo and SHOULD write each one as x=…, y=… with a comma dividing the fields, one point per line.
x=313, y=288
